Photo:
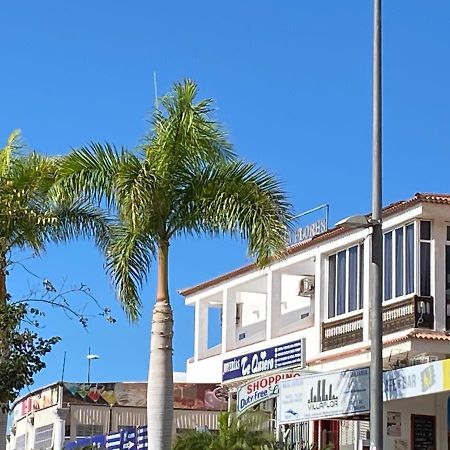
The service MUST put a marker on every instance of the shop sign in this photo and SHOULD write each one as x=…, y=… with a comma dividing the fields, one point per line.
x=413, y=381
x=256, y=391
x=309, y=231
x=326, y=395
x=268, y=359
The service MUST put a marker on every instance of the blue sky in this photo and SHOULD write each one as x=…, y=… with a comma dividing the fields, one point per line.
x=292, y=84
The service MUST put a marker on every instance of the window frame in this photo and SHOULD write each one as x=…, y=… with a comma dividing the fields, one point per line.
x=359, y=281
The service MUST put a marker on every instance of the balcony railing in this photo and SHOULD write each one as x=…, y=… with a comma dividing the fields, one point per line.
x=342, y=332
x=413, y=312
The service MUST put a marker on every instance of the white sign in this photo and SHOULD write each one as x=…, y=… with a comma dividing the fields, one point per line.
x=326, y=395
x=256, y=391
x=309, y=231
x=413, y=381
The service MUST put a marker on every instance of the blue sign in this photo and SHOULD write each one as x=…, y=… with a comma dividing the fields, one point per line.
x=123, y=440
x=98, y=441
x=142, y=438
x=272, y=358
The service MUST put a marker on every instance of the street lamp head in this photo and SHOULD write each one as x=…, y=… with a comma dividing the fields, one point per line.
x=90, y=357
x=354, y=222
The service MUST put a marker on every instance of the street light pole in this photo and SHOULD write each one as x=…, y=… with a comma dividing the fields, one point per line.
x=376, y=266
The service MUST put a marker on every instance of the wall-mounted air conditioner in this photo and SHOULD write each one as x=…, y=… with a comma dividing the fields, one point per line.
x=424, y=359
x=306, y=286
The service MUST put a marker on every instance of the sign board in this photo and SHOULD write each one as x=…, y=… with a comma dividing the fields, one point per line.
x=326, y=395
x=413, y=381
x=261, y=389
x=265, y=360
x=423, y=432
x=309, y=231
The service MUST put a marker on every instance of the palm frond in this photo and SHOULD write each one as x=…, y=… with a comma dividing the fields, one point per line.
x=129, y=254
x=185, y=133
x=12, y=144
x=89, y=171
x=240, y=199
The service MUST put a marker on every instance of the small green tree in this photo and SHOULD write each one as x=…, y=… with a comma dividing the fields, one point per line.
x=234, y=433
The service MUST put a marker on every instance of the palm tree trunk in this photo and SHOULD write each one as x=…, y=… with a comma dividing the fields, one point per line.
x=3, y=350
x=160, y=377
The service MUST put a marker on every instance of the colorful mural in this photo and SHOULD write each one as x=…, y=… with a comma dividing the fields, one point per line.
x=186, y=396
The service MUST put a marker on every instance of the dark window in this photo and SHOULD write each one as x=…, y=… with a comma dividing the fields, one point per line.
x=388, y=266
x=425, y=268
x=345, y=281
x=361, y=276
x=425, y=230
x=447, y=272
x=331, y=285
x=399, y=262
x=448, y=233
x=353, y=278
x=409, y=259
x=341, y=282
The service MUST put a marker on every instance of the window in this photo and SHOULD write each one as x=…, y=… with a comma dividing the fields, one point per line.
x=398, y=275
x=87, y=430
x=409, y=259
x=43, y=437
x=425, y=257
x=20, y=442
x=345, y=281
x=388, y=265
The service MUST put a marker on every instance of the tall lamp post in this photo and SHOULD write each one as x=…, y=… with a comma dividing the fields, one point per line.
x=376, y=262
x=90, y=357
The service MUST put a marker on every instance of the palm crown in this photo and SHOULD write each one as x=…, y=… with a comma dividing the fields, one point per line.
x=185, y=180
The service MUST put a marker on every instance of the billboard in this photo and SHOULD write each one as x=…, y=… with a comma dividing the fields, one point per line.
x=265, y=360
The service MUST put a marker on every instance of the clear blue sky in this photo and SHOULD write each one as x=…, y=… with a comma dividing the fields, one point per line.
x=292, y=83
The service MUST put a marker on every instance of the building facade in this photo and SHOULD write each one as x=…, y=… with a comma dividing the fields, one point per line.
x=317, y=300
x=64, y=412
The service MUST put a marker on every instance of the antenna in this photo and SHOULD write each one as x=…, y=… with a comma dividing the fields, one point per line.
x=155, y=87
x=63, y=366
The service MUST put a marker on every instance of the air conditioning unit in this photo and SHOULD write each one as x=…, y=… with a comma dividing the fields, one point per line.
x=306, y=286
x=424, y=359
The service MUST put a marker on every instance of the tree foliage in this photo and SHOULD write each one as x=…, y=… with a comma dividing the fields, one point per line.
x=21, y=352
x=29, y=220
x=234, y=433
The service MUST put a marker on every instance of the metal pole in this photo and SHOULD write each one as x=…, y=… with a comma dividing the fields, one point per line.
x=89, y=366
x=376, y=266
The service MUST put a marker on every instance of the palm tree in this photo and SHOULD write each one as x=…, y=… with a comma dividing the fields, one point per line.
x=29, y=219
x=233, y=434
x=185, y=181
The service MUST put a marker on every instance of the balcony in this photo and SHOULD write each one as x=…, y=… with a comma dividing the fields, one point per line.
x=413, y=312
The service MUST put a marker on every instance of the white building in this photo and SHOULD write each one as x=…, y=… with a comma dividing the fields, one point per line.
x=318, y=297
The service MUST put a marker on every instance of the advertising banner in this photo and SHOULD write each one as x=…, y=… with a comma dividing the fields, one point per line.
x=326, y=395
x=413, y=381
x=265, y=360
x=256, y=391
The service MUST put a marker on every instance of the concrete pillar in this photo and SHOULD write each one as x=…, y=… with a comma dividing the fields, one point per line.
x=59, y=428
x=273, y=305
x=318, y=301
x=201, y=329
x=438, y=281
x=228, y=321
x=3, y=426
